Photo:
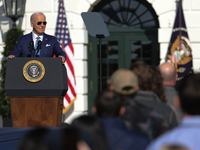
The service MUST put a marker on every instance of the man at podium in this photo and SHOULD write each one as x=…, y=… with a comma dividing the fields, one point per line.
x=37, y=43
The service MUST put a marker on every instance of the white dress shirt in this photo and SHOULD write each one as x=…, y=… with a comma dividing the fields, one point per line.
x=34, y=36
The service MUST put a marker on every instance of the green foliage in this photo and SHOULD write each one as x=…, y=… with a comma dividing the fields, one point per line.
x=10, y=40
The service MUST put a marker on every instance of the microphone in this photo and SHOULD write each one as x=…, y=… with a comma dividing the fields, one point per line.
x=39, y=45
x=31, y=44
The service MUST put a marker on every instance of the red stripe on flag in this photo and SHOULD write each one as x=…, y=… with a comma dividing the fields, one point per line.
x=71, y=87
x=70, y=66
x=71, y=48
x=67, y=98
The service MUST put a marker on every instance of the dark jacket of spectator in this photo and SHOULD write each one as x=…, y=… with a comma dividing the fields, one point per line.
x=150, y=99
x=116, y=131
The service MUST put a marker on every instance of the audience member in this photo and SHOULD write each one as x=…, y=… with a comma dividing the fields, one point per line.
x=34, y=140
x=187, y=133
x=92, y=134
x=108, y=106
x=174, y=147
x=169, y=75
x=69, y=138
x=136, y=117
x=62, y=139
x=152, y=92
x=151, y=77
x=50, y=139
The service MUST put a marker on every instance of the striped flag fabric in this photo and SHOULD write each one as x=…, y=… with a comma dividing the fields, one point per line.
x=179, y=51
x=63, y=36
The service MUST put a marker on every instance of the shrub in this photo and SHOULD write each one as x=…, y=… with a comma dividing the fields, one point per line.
x=10, y=40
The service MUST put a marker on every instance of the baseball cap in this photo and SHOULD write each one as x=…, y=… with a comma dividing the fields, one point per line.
x=123, y=78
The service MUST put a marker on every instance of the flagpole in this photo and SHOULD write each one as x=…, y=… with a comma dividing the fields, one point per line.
x=62, y=45
x=100, y=36
x=180, y=24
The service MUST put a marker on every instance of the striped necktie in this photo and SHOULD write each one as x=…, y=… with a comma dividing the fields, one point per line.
x=36, y=44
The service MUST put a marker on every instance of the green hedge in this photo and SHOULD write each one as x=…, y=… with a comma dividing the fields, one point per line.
x=10, y=41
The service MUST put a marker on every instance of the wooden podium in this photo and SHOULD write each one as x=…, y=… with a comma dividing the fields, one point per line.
x=36, y=87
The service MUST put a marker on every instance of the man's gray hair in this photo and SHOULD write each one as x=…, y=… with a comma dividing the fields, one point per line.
x=36, y=13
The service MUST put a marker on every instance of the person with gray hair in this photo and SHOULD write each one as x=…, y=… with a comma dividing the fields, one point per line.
x=37, y=43
x=169, y=74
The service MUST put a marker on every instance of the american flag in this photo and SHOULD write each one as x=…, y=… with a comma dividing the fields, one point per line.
x=62, y=34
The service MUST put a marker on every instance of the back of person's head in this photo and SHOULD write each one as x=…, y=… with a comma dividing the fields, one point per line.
x=69, y=137
x=91, y=132
x=34, y=140
x=150, y=78
x=168, y=72
x=107, y=104
x=137, y=63
x=189, y=94
x=144, y=74
x=124, y=82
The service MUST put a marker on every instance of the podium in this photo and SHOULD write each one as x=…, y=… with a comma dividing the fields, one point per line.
x=36, y=87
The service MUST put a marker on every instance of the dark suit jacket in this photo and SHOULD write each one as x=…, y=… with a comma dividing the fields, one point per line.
x=50, y=46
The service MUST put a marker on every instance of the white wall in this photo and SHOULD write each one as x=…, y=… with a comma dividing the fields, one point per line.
x=165, y=10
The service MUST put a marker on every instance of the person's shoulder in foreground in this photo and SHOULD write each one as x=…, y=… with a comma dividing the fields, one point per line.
x=187, y=133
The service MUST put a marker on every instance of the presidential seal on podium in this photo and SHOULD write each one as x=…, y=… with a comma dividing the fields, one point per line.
x=33, y=71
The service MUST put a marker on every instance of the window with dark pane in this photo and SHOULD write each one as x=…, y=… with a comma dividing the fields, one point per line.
x=109, y=52
x=141, y=50
x=127, y=13
x=147, y=49
x=136, y=50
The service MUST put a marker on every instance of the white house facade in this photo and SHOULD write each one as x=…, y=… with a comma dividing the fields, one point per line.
x=163, y=11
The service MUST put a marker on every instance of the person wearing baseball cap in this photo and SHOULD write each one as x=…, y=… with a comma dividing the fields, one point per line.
x=123, y=81
x=137, y=117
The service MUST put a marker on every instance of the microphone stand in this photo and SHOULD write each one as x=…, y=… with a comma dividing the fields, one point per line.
x=100, y=36
x=31, y=47
x=35, y=54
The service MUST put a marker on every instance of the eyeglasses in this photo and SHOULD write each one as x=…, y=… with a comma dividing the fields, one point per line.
x=40, y=22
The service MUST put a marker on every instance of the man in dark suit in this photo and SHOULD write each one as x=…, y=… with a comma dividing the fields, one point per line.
x=28, y=45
